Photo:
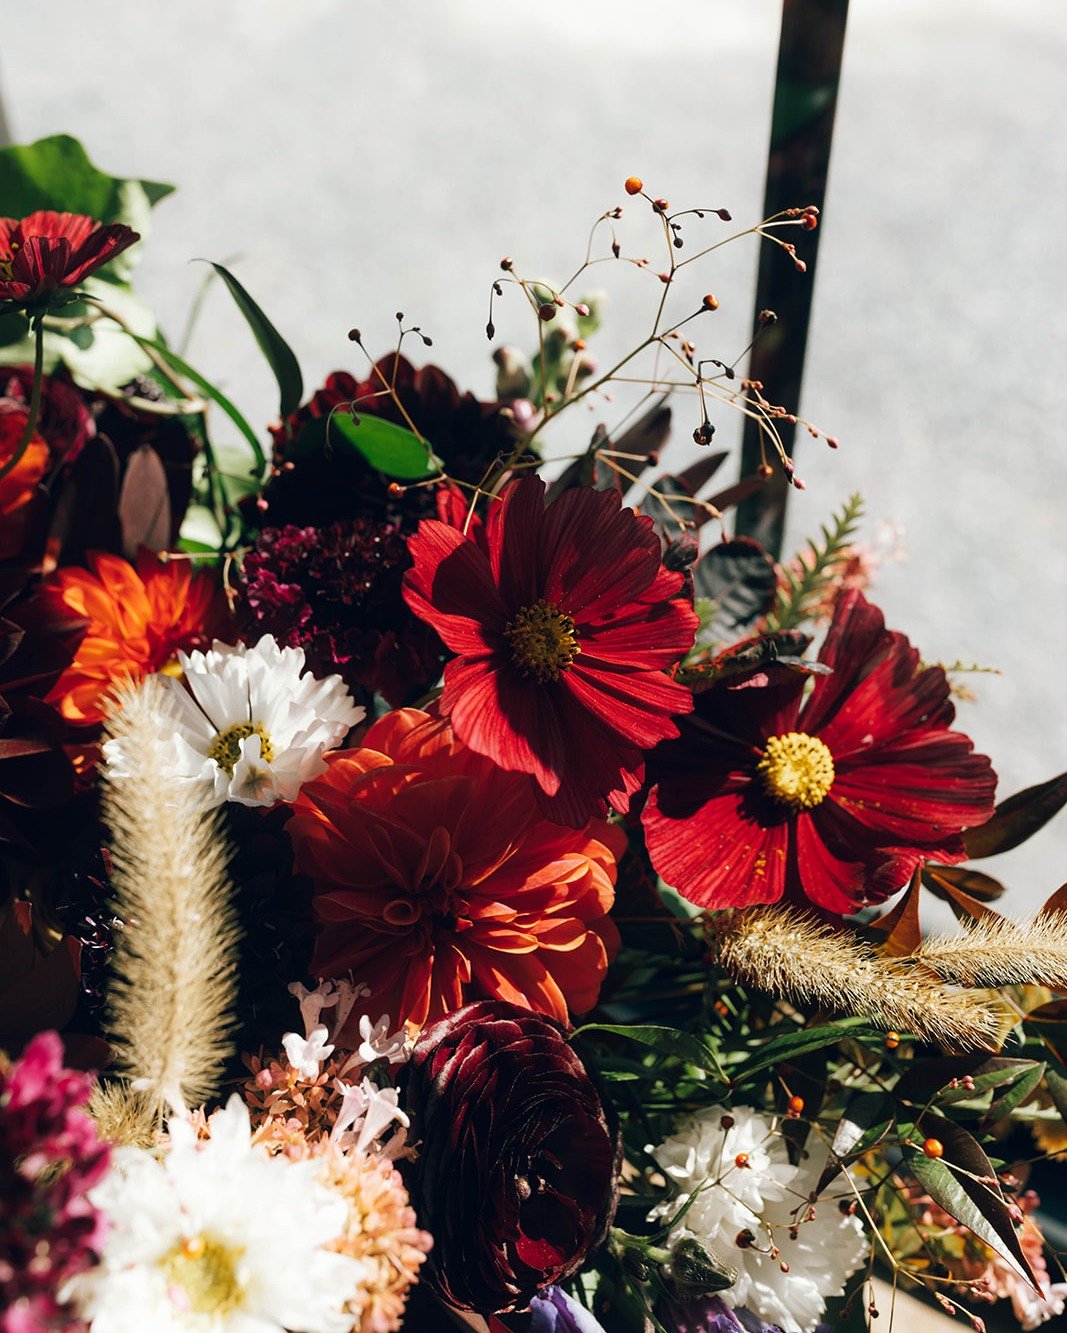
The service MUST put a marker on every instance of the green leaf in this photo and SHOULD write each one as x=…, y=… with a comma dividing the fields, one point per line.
x=667, y=1041
x=56, y=173
x=1017, y=818
x=930, y=1077
x=867, y=1119
x=384, y=446
x=216, y=395
x=791, y=1044
x=1023, y=1086
x=279, y=354
x=957, y=1181
x=200, y=533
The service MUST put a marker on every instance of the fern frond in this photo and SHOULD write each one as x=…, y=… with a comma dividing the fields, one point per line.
x=818, y=563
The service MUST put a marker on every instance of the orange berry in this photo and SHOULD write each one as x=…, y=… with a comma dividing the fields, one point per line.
x=741, y=1159
x=711, y=302
x=933, y=1148
x=633, y=185
x=892, y=1040
x=796, y=1105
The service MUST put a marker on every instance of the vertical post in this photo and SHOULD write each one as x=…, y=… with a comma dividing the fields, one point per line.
x=805, y=100
x=5, y=131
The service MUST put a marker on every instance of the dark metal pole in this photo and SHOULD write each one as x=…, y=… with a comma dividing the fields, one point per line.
x=805, y=99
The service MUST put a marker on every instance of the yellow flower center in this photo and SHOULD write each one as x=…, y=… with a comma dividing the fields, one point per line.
x=543, y=641
x=797, y=770
x=226, y=747
x=201, y=1275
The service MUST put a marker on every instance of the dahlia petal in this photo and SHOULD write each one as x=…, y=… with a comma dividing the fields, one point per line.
x=524, y=981
x=451, y=587
x=719, y=856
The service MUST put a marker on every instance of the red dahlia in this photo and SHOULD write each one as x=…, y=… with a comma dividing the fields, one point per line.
x=46, y=251
x=835, y=799
x=564, y=622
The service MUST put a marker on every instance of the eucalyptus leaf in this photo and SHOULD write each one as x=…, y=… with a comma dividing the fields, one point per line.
x=1019, y=1091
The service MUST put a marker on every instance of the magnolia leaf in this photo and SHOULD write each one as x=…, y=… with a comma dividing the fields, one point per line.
x=981, y=887
x=735, y=494
x=667, y=1041
x=944, y=883
x=898, y=933
x=740, y=578
x=384, y=446
x=789, y=1045
x=964, y=1183
x=866, y=1121
x=1057, y=903
x=1057, y=1087
x=144, y=503
x=279, y=354
x=1017, y=818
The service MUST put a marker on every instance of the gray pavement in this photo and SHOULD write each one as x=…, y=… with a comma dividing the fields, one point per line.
x=361, y=157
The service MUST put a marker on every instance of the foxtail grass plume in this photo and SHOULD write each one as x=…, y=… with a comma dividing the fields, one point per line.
x=173, y=982
x=795, y=957
x=998, y=951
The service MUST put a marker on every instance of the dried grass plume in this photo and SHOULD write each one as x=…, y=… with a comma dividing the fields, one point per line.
x=173, y=981
x=795, y=957
x=997, y=951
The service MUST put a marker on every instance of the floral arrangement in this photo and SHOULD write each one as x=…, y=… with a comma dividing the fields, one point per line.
x=485, y=893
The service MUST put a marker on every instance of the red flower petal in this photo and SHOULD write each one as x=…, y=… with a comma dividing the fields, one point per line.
x=450, y=586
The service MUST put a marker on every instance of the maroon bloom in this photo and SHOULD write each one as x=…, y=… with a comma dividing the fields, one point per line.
x=516, y=1176
x=565, y=622
x=335, y=592
x=836, y=799
x=50, y=1158
x=47, y=251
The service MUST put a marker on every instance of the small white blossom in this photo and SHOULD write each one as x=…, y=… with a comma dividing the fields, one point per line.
x=744, y=1183
x=377, y=1043
x=307, y=1057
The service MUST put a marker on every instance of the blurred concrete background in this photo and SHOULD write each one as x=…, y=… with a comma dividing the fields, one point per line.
x=352, y=158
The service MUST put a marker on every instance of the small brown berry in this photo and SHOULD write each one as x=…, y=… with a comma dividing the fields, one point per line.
x=633, y=185
x=765, y=470
x=547, y=311
x=710, y=302
x=395, y=489
x=744, y=1239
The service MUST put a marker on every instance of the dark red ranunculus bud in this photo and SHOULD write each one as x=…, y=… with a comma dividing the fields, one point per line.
x=517, y=1170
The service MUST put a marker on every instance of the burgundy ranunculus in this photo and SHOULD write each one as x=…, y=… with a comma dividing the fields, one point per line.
x=517, y=1169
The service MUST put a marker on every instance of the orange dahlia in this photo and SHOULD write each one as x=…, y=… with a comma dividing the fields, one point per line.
x=18, y=488
x=437, y=880
x=139, y=618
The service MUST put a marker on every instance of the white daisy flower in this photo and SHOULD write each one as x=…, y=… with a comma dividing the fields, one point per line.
x=751, y=1211
x=250, y=724
x=218, y=1237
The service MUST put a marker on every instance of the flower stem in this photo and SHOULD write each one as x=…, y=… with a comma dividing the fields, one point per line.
x=35, y=404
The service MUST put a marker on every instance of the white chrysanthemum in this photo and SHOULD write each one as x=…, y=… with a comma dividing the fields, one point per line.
x=793, y=1255
x=250, y=727
x=218, y=1237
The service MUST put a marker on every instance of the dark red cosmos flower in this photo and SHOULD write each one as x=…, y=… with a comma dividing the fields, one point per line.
x=47, y=251
x=835, y=799
x=564, y=621
x=517, y=1169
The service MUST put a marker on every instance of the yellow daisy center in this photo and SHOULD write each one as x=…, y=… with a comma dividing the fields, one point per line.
x=201, y=1275
x=226, y=747
x=543, y=641
x=797, y=770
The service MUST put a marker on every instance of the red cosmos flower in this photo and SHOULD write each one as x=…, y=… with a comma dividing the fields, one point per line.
x=564, y=621
x=437, y=881
x=46, y=251
x=836, y=799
